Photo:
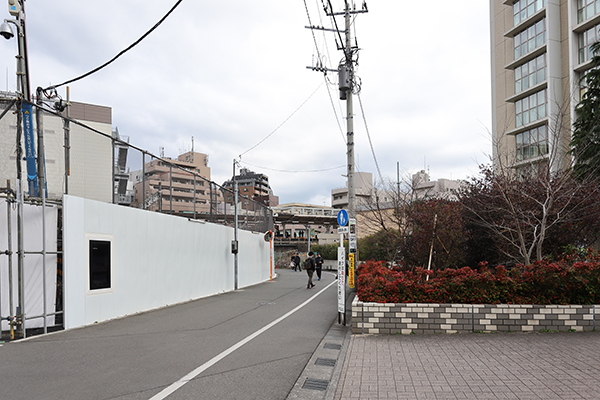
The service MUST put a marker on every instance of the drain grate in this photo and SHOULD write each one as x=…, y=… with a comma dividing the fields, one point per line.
x=327, y=362
x=332, y=346
x=315, y=384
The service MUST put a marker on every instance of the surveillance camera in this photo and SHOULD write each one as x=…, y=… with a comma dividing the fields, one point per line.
x=6, y=31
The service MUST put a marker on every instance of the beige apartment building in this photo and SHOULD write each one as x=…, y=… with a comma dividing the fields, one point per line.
x=540, y=53
x=176, y=186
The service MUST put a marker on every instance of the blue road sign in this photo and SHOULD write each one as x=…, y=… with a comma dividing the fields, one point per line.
x=342, y=218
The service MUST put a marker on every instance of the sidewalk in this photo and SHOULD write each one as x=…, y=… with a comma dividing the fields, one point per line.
x=453, y=366
x=471, y=366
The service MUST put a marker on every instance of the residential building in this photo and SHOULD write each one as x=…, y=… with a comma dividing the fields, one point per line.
x=363, y=186
x=424, y=188
x=540, y=53
x=253, y=186
x=89, y=171
x=384, y=208
x=177, y=186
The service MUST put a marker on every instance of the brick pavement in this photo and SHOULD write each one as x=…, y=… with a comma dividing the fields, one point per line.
x=472, y=366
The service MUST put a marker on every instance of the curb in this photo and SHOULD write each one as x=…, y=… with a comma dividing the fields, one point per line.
x=319, y=379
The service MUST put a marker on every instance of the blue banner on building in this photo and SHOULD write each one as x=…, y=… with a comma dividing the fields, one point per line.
x=27, y=110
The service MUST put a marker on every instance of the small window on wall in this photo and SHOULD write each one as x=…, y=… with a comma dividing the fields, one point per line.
x=99, y=264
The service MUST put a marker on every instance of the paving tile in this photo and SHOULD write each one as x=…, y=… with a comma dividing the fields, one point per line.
x=472, y=366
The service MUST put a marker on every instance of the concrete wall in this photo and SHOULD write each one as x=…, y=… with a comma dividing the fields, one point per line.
x=462, y=318
x=157, y=260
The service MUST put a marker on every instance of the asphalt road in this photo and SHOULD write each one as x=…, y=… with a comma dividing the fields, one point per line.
x=249, y=344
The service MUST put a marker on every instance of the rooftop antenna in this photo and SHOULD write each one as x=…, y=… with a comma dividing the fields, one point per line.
x=192, y=149
x=162, y=152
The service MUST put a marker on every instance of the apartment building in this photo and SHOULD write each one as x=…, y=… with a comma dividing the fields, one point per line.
x=89, y=170
x=363, y=186
x=540, y=53
x=251, y=185
x=175, y=186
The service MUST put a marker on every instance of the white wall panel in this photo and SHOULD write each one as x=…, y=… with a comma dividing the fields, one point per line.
x=158, y=260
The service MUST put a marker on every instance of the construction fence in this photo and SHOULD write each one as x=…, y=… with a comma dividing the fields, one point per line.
x=82, y=155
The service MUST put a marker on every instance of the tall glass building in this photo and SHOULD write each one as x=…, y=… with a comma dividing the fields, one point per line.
x=540, y=53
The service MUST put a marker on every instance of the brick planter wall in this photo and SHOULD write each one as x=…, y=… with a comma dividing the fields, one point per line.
x=462, y=318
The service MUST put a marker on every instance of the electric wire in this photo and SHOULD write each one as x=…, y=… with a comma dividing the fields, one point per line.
x=337, y=118
x=319, y=57
x=337, y=29
x=369, y=137
x=293, y=172
x=280, y=125
x=312, y=31
x=121, y=53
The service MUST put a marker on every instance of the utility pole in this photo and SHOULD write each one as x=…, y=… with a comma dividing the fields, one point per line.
x=235, y=243
x=17, y=9
x=346, y=86
x=346, y=79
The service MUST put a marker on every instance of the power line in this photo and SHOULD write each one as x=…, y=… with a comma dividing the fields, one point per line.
x=319, y=58
x=120, y=54
x=337, y=119
x=286, y=120
x=293, y=172
x=369, y=136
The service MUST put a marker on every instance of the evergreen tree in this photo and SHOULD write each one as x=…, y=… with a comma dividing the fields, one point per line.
x=585, y=140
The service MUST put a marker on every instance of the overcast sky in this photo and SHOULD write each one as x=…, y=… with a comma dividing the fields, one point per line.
x=230, y=73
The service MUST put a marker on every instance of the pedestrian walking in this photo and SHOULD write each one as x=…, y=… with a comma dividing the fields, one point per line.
x=296, y=260
x=309, y=266
x=318, y=265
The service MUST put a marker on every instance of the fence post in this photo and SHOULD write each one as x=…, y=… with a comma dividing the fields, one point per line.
x=143, y=180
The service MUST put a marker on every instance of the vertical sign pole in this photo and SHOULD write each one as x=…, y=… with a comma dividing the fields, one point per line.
x=342, y=220
x=341, y=282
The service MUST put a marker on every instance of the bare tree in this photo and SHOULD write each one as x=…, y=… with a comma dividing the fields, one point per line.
x=524, y=205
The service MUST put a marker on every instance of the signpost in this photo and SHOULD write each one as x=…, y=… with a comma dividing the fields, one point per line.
x=341, y=284
x=353, y=247
x=351, y=270
x=342, y=219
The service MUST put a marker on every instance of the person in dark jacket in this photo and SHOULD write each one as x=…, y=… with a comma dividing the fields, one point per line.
x=296, y=260
x=309, y=266
x=319, y=265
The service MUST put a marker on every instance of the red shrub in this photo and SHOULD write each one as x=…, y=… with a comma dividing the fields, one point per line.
x=567, y=281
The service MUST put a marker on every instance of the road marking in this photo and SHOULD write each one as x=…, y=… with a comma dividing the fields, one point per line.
x=181, y=382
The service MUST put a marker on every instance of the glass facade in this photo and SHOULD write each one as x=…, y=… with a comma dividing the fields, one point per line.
x=586, y=9
x=530, y=39
x=586, y=39
x=532, y=143
x=524, y=9
x=531, y=108
x=530, y=74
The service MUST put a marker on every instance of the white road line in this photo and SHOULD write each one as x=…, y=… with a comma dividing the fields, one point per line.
x=177, y=385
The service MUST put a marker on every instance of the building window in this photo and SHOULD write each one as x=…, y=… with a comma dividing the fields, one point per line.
x=586, y=39
x=532, y=143
x=99, y=264
x=530, y=74
x=530, y=39
x=586, y=9
x=530, y=108
x=524, y=9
